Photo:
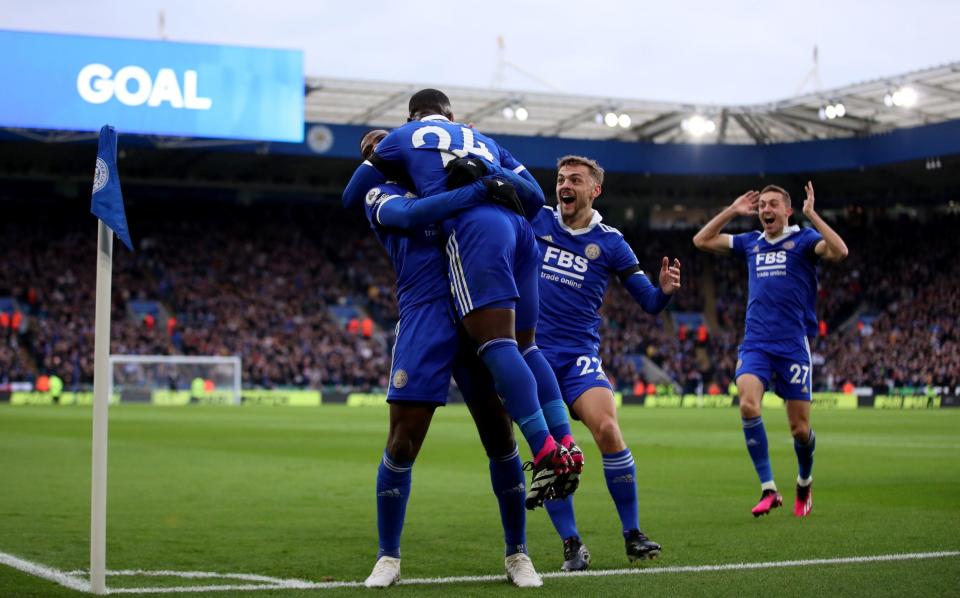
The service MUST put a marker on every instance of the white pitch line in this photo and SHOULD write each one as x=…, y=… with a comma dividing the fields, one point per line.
x=69, y=580
x=42, y=572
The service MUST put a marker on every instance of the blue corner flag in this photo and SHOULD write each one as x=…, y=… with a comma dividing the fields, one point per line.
x=107, y=201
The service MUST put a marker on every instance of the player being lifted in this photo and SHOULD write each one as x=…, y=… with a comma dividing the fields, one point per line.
x=781, y=263
x=492, y=260
x=580, y=254
x=429, y=348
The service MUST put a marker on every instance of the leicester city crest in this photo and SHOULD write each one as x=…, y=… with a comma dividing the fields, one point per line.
x=372, y=195
x=592, y=251
x=400, y=378
x=789, y=245
x=100, y=175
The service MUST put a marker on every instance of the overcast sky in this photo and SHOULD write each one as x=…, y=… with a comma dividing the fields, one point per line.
x=698, y=52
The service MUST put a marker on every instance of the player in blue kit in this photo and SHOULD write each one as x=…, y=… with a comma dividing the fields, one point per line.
x=579, y=256
x=429, y=348
x=492, y=260
x=781, y=262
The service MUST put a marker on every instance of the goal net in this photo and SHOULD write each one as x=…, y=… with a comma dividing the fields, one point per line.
x=175, y=379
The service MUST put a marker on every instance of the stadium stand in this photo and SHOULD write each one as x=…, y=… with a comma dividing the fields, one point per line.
x=275, y=282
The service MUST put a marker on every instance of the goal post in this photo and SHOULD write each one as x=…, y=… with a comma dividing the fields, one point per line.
x=172, y=377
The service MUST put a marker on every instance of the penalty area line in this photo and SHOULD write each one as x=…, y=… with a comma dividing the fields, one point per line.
x=73, y=579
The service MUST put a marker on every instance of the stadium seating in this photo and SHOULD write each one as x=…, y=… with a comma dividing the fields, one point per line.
x=277, y=284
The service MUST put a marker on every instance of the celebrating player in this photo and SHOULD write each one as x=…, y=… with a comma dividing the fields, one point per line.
x=492, y=261
x=429, y=347
x=781, y=262
x=580, y=254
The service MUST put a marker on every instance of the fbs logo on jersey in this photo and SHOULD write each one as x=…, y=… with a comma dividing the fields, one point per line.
x=592, y=251
x=400, y=379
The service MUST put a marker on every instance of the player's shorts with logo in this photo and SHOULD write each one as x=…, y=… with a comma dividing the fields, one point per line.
x=430, y=347
x=787, y=363
x=492, y=256
x=577, y=372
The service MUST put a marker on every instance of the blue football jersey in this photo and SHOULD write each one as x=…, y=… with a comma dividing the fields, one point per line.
x=421, y=149
x=575, y=268
x=417, y=256
x=783, y=283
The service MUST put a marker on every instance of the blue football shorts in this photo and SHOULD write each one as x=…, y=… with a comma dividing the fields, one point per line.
x=424, y=353
x=788, y=363
x=577, y=372
x=492, y=259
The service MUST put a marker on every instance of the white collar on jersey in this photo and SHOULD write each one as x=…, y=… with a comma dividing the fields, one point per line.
x=435, y=117
x=594, y=221
x=787, y=231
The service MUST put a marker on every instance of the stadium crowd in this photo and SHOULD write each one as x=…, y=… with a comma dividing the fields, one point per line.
x=258, y=281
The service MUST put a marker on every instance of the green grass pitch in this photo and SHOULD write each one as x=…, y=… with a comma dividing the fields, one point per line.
x=289, y=493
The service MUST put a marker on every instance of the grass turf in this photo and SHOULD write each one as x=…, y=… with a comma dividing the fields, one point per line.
x=288, y=492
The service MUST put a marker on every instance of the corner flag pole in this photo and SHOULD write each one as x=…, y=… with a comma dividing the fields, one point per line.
x=101, y=381
x=107, y=205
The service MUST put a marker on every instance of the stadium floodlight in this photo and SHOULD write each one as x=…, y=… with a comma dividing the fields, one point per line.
x=698, y=125
x=832, y=111
x=521, y=113
x=508, y=112
x=598, y=118
x=611, y=119
x=624, y=121
x=905, y=97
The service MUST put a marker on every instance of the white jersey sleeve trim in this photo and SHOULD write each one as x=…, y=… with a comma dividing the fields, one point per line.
x=380, y=207
x=519, y=169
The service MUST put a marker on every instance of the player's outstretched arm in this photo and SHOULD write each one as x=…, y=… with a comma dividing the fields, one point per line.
x=405, y=213
x=364, y=178
x=831, y=248
x=649, y=297
x=709, y=237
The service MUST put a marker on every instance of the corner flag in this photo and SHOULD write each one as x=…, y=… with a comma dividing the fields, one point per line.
x=107, y=201
x=107, y=205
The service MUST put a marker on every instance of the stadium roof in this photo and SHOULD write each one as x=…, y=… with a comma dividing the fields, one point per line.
x=869, y=108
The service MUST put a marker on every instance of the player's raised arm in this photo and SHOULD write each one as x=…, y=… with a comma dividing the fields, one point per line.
x=650, y=298
x=710, y=239
x=831, y=248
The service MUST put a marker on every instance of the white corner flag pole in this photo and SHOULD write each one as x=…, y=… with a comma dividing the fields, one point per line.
x=101, y=384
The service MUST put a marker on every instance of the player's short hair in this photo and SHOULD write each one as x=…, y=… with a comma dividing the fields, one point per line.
x=596, y=171
x=777, y=189
x=429, y=101
x=369, y=142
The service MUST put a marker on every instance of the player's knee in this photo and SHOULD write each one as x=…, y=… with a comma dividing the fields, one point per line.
x=403, y=447
x=749, y=409
x=800, y=431
x=607, y=434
